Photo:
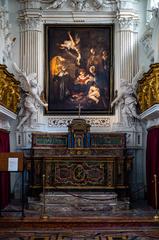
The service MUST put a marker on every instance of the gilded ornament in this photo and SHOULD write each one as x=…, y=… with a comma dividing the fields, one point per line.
x=9, y=90
x=148, y=88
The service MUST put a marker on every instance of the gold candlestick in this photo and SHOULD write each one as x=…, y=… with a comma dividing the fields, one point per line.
x=156, y=217
x=43, y=215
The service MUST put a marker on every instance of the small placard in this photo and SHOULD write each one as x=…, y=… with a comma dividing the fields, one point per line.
x=12, y=164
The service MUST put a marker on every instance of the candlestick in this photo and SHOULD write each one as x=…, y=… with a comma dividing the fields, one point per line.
x=43, y=215
x=156, y=217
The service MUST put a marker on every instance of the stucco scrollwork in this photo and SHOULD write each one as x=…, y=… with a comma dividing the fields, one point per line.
x=146, y=41
x=4, y=23
x=154, y=24
x=80, y=5
x=93, y=121
x=7, y=39
x=150, y=38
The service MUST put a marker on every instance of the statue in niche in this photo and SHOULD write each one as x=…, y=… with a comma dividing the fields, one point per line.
x=7, y=39
x=154, y=24
x=127, y=99
x=31, y=100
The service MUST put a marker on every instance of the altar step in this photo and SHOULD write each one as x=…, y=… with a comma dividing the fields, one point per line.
x=78, y=202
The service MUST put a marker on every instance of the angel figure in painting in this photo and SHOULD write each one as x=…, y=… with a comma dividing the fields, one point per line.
x=32, y=101
x=128, y=102
x=72, y=44
x=94, y=93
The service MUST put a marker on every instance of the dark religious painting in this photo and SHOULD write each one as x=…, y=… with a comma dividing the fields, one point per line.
x=79, y=68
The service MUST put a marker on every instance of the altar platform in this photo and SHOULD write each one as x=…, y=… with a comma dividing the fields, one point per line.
x=136, y=223
x=79, y=203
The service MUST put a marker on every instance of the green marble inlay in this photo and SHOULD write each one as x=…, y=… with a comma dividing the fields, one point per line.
x=52, y=140
x=101, y=140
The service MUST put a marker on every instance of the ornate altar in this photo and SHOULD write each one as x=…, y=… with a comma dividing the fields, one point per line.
x=78, y=159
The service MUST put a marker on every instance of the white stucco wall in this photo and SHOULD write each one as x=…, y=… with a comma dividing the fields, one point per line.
x=112, y=123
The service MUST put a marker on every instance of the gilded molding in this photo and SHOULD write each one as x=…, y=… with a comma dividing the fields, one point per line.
x=148, y=88
x=9, y=90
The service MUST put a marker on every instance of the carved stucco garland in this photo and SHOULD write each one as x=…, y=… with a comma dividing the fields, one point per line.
x=93, y=121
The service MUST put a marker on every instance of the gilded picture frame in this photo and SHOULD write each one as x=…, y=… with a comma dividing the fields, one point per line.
x=79, y=68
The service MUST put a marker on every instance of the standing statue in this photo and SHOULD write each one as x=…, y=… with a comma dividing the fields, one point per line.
x=128, y=102
x=31, y=101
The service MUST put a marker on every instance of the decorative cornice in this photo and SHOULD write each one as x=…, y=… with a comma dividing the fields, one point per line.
x=4, y=124
x=151, y=116
x=7, y=114
x=151, y=113
x=93, y=121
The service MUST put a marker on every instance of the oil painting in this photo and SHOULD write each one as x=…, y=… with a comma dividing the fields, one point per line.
x=78, y=68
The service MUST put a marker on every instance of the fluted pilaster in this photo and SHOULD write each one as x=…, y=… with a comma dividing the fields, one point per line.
x=128, y=47
x=30, y=43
